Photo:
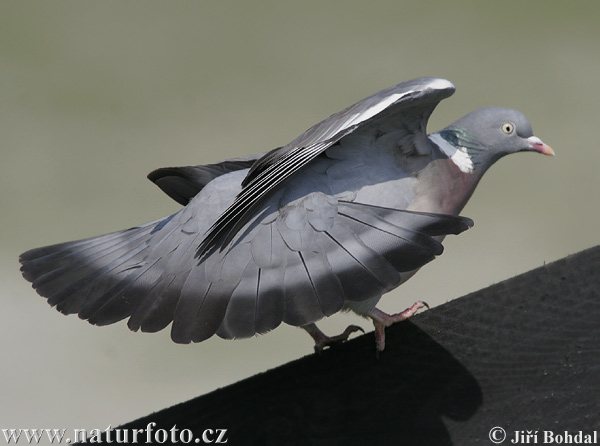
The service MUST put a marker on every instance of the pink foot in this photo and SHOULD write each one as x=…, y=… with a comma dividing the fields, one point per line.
x=322, y=340
x=382, y=320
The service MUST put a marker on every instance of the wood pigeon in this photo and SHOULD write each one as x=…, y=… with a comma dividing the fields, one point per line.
x=344, y=213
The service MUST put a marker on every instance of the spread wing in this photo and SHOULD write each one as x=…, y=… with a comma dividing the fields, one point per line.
x=408, y=105
x=314, y=255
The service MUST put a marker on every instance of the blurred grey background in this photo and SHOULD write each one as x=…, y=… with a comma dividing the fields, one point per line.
x=94, y=95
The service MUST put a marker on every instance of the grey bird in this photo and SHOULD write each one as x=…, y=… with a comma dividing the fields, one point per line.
x=344, y=213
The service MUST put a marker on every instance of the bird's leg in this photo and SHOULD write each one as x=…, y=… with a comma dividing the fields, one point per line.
x=382, y=320
x=322, y=340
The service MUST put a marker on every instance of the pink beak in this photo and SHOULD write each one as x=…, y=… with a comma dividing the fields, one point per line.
x=538, y=145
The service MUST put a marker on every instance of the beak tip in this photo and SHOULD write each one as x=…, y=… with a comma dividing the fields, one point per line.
x=547, y=150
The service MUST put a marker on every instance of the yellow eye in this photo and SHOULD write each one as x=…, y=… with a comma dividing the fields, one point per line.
x=508, y=128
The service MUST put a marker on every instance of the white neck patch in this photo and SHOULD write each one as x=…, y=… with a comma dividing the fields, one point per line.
x=458, y=155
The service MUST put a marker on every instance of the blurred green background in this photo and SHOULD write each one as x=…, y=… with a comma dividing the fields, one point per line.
x=94, y=95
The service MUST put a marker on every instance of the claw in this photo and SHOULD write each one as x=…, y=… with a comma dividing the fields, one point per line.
x=322, y=340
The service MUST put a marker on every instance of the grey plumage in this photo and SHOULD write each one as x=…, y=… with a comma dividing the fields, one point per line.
x=341, y=215
x=184, y=183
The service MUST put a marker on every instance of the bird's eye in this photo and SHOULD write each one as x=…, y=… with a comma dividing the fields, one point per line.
x=508, y=128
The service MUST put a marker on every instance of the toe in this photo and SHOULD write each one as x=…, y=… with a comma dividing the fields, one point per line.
x=351, y=329
x=328, y=341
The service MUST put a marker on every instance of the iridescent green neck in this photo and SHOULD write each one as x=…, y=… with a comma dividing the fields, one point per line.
x=460, y=137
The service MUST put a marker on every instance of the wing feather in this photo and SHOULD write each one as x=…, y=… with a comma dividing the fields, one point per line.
x=239, y=320
x=270, y=305
x=301, y=300
x=416, y=99
x=184, y=183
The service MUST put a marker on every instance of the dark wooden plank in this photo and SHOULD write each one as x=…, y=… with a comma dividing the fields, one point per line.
x=523, y=354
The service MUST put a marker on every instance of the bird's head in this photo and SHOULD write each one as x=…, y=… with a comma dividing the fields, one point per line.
x=486, y=135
